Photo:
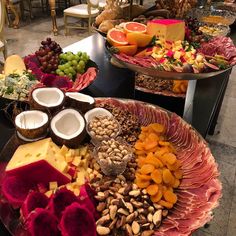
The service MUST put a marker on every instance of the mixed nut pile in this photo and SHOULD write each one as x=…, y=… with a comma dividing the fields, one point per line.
x=125, y=209
x=103, y=127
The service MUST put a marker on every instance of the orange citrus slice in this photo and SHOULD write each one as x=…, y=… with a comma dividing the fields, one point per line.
x=128, y=49
x=116, y=37
x=141, y=40
x=130, y=27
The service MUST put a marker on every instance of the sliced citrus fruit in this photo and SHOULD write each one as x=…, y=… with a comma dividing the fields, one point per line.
x=141, y=40
x=128, y=49
x=130, y=27
x=117, y=37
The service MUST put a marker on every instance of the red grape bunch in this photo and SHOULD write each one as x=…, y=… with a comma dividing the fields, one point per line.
x=48, y=55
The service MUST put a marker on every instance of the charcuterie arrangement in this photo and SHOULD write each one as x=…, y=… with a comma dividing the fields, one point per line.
x=85, y=166
x=172, y=45
x=47, y=67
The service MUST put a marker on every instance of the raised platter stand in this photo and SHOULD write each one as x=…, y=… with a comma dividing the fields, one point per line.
x=116, y=86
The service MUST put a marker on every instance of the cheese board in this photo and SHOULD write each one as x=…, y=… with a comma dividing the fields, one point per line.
x=187, y=151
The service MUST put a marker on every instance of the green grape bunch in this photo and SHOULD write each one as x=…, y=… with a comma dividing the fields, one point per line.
x=70, y=64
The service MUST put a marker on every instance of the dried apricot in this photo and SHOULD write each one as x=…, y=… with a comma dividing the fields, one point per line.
x=147, y=169
x=158, y=128
x=143, y=177
x=163, y=203
x=176, y=184
x=149, y=145
x=157, y=197
x=170, y=158
x=139, y=145
x=156, y=176
x=142, y=183
x=141, y=161
x=150, y=159
x=167, y=176
x=170, y=196
x=153, y=137
x=152, y=189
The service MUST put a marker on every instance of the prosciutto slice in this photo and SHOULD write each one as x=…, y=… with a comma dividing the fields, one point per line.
x=200, y=189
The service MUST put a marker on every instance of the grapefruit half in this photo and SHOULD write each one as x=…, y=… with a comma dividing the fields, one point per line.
x=128, y=49
x=116, y=37
x=139, y=39
x=131, y=27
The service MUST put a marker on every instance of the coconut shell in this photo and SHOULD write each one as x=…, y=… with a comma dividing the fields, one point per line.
x=78, y=105
x=49, y=110
x=70, y=143
x=34, y=133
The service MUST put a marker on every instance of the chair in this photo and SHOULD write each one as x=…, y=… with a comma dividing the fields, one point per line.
x=3, y=47
x=81, y=11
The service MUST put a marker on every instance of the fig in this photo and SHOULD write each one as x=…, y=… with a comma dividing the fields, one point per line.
x=77, y=220
x=42, y=222
x=33, y=200
x=60, y=200
x=15, y=190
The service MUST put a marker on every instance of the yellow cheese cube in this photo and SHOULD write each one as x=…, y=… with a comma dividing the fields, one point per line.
x=167, y=29
x=53, y=185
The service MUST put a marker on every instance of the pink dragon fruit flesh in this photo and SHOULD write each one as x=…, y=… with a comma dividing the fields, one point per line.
x=76, y=220
x=60, y=200
x=86, y=199
x=33, y=200
x=15, y=190
x=41, y=222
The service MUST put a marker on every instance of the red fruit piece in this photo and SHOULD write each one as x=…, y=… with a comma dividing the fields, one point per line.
x=60, y=200
x=33, y=200
x=42, y=222
x=16, y=190
x=77, y=220
x=86, y=198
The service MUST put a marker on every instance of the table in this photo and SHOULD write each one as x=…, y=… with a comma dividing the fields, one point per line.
x=200, y=108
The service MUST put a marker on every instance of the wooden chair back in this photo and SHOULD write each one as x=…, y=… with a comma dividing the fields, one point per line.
x=2, y=15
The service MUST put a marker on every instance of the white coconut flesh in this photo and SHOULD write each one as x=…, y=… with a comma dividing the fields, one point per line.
x=89, y=115
x=80, y=97
x=48, y=97
x=68, y=124
x=31, y=119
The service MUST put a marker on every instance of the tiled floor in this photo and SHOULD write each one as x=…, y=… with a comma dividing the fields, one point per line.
x=223, y=144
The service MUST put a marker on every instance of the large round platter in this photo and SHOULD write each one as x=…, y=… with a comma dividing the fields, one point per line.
x=165, y=74
x=200, y=188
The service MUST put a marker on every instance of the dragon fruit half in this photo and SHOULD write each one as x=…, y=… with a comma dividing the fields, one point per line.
x=42, y=222
x=16, y=190
x=33, y=200
x=60, y=200
x=77, y=220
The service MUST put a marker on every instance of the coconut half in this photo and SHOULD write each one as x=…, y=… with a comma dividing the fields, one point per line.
x=32, y=125
x=68, y=127
x=47, y=99
x=79, y=101
x=89, y=115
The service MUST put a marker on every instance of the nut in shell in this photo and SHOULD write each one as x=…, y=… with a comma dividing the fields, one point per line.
x=103, y=230
x=157, y=217
x=135, y=227
x=113, y=210
x=111, y=160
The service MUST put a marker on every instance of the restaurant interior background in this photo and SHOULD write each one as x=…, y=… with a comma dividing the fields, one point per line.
x=25, y=40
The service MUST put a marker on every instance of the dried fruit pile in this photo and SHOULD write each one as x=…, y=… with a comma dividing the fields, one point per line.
x=159, y=170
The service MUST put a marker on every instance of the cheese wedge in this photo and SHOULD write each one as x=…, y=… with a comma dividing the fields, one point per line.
x=14, y=64
x=167, y=29
x=39, y=161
